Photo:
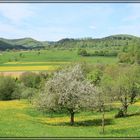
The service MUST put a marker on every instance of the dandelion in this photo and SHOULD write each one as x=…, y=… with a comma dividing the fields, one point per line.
x=14, y=104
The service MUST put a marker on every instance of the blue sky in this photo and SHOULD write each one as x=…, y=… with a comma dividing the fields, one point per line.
x=56, y=21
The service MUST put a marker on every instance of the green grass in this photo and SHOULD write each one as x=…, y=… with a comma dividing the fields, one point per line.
x=48, y=58
x=52, y=56
x=19, y=119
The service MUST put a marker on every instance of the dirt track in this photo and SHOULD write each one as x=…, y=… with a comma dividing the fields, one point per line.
x=14, y=74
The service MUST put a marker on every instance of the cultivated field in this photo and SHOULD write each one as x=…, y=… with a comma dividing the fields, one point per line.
x=44, y=60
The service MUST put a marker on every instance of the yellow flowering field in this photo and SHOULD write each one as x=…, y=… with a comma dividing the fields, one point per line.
x=19, y=118
x=137, y=104
x=13, y=104
x=27, y=68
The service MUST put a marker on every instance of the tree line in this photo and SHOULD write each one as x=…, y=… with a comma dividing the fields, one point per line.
x=101, y=52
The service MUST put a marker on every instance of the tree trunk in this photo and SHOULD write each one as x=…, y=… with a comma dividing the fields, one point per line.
x=103, y=121
x=125, y=109
x=125, y=106
x=72, y=118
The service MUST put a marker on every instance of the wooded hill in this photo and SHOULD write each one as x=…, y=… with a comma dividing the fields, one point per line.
x=113, y=41
x=23, y=43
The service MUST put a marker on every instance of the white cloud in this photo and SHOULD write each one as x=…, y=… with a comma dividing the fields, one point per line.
x=15, y=12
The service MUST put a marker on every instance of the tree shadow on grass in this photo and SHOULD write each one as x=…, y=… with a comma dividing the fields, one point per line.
x=95, y=122
x=133, y=114
x=129, y=115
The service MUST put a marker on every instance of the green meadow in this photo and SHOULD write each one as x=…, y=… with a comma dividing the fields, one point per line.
x=46, y=58
x=21, y=119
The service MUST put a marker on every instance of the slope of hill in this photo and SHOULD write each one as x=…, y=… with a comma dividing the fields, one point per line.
x=121, y=37
x=5, y=46
x=27, y=43
x=113, y=41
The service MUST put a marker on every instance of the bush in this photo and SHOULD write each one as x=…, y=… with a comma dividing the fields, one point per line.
x=82, y=52
x=28, y=93
x=8, y=88
x=31, y=79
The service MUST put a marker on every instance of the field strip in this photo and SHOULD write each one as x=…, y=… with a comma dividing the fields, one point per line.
x=26, y=68
x=37, y=62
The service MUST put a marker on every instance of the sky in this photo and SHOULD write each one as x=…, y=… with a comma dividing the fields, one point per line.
x=52, y=22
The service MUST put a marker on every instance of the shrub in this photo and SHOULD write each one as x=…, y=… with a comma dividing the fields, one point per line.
x=8, y=88
x=82, y=52
x=28, y=93
x=31, y=79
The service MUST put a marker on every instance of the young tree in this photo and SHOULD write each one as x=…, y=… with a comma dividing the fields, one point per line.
x=127, y=87
x=67, y=90
x=95, y=76
x=104, y=96
x=104, y=93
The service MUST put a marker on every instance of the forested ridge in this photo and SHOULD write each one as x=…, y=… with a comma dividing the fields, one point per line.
x=113, y=41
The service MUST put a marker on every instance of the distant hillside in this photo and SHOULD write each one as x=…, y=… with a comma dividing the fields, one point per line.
x=113, y=41
x=5, y=46
x=121, y=37
x=29, y=42
x=23, y=43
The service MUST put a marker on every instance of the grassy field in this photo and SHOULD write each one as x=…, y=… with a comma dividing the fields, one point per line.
x=20, y=119
x=45, y=60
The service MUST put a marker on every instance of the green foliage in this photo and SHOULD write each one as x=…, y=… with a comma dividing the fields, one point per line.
x=8, y=88
x=131, y=54
x=23, y=43
x=105, y=52
x=127, y=87
x=95, y=76
x=31, y=79
x=124, y=58
x=115, y=41
x=28, y=93
x=82, y=52
x=4, y=46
